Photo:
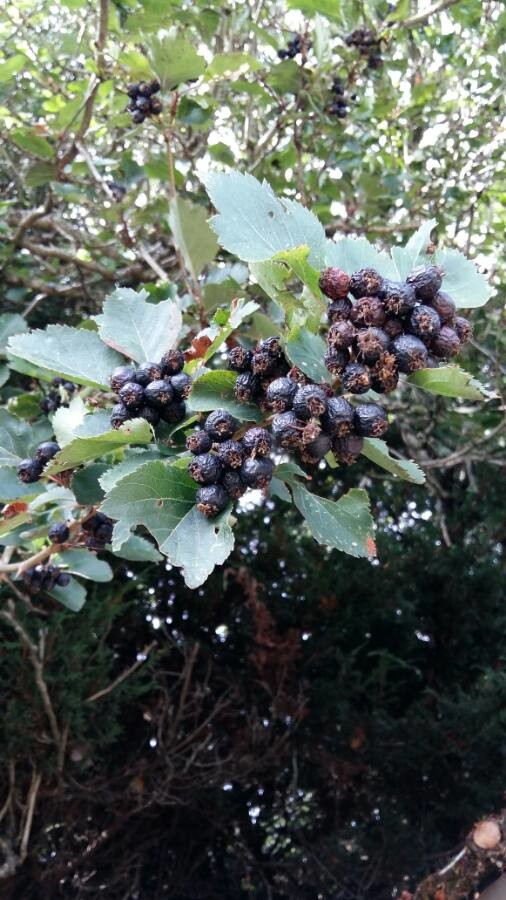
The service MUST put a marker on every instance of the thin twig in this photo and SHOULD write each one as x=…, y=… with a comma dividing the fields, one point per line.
x=425, y=14
x=124, y=675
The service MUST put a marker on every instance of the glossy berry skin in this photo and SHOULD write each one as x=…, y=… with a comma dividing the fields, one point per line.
x=198, y=442
x=119, y=415
x=365, y=283
x=334, y=283
x=426, y=280
x=280, y=394
x=62, y=579
x=368, y=311
x=131, y=395
x=446, y=344
x=263, y=363
x=206, y=468
x=181, y=384
x=148, y=371
x=257, y=442
x=341, y=335
x=231, y=454
x=69, y=386
x=159, y=393
x=257, y=473
x=398, y=297
x=424, y=322
x=247, y=387
x=220, y=425
x=58, y=533
x=174, y=413
x=172, y=362
x=445, y=307
x=287, y=430
x=211, y=500
x=463, y=329
x=336, y=360
x=339, y=418
x=410, y=353
x=29, y=470
x=348, y=449
x=233, y=484
x=370, y=344
x=272, y=346
x=339, y=309
x=356, y=378
x=150, y=414
x=239, y=359
x=317, y=449
x=371, y=420
x=310, y=400
x=47, y=450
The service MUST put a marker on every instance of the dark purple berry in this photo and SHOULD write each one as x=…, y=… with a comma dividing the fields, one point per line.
x=368, y=311
x=221, y=425
x=121, y=376
x=365, y=283
x=233, y=484
x=239, y=359
x=58, y=533
x=69, y=386
x=339, y=309
x=356, y=378
x=334, y=283
x=174, y=413
x=393, y=326
x=62, y=579
x=385, y=374
x=148, y=371
x=370, y=344
x=257, y=473
x=138, y=117
x=263, y=363
x=463, y=328
x=410, y=353
x=446, y=344
x=29, y=470
x=445, y=307
x=272, y=346
x=317, y=449
x=151, y=415
x=348, y=449
x=424, y=322
x=371, y=420
x=142, y=103
x=341, y=335
x=257, y=442
x=155, y=106
x=172, y=362
x=131, y=395
x=231, y=454
x=181, y=384
x=426, y=280
x=119, y=415
x=198, y=442
x=336, y=360
x=339, y=417
x=287, y=430
x=247, y=387
x=206, y=468
x=47, y=450
x=398, y=297
x=211, y=500
x=133, y=89
x=310, y=400
x=280, y=394
x=158, y=393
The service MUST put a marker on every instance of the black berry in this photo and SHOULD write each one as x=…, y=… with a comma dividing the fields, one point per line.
x=393, y=326
x=348, y=449
x=287, y=430
x=148, y=371
x=47, y=450
x=280, y=394
x=365, y=283
x=446, y=344
x=150, y=414
x=370, y=420
x=336, y=360
x=410, y=353
x=334, y=283
x=62, y=579
x=174, y=413
x=181, y=384
x=385, y=374
x=463, y=328
x=341, y=335
x=233, y=484
x=398, y=297
x=445, y=307
x=271, y=345
x=317, y=449
x=310, y=400
x=131, y=395
x=211, y=500
x=158, y=393
x=339, y=417
x=257, y=442
x=257, y=473
x=239, y=359
x=29, y=470
x=356, y=378
x=231, y=454
x=58, y=533
x=339, y=309
x=368, y=311
x=426, y=281
x=371, y=343
x=198, y=442
x=206, y=468
x=425, y=322
x=172, y=362
x=247, y=387
x=119, y=415
x=263, y=363
x=220, y=425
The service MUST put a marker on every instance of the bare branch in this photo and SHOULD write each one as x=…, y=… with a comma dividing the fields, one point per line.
x=425, y=14
x=124, y=675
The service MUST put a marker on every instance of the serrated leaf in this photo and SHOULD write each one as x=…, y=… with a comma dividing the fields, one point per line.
x=66, y=420
x=449, y=381
x=193, y=236
x=73, y=595
x=289, y=472
x=175, y=60
x=278, y=489
x=306, y=351
x=226, y=64
x=138, y=549
x=75, y=353
x=82, y=449
x=136, y=64
x=378, y=452
x=142, y=331
x=156, y=496
x=86, y=486
x=345, y=525
x=12, y=66
x=468, y=287
x=11, y=488
x=111, y=476
x=254, y=224
x=16, y=439
x=413, y=253
x=197, y=545
x=33, y=143
x=85, y=564
x=215, y=390
x=297, y=259
x=352, y=253
x=10, y=323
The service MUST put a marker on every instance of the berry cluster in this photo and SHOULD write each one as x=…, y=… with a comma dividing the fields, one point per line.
x=339, y=105
x=97, y=530
x=225, y=464
x=391, y=327
x=368, y=44
x=293, y=47
x=56, y=398
x=44, y=578
x=153, y=391
x=142, y=102
x=30, y=469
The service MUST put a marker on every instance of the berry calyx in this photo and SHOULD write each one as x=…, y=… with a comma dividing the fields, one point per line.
x=199, y=442
x=158, y=393
x=410, y=353
x=206, y=468
x=356, y=378
x=221, y=425
x=211, y=500
x=239, y=359
x=257, y=442
x=131, y=395
x=371, y=420
x=231, y=454
x=425, y=322
x=310, y=400
x=365, y=283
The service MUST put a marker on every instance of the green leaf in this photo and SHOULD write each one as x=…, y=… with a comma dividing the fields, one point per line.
x=378, y=452
x=197, y=545
x=73, y=595
x=414, y=253
x=12, y=66
x=157, y=496
x=449, y=381
x=27, y=139
x=82, y=449
x=39, y=174
x=25, y=406
x=86, y=485
x=138, y=549
x=136, y=64
x=346, y=525
x=10, y=323
x=278, y=489
x=11, y=488
x=142, y=331
x=67, y=419
x=74, y=353
x=85, y=564
x=468, y=287
x=329, y=8
x=224, y=65
x=174, y=60
x=111, y=476
x=289, y=472
x=352, y=253
x=8, y=525
x=16, y=439
x=215, y=390
x=306, y=351
x=253, y=224
x=297, y=260
x=192, y=234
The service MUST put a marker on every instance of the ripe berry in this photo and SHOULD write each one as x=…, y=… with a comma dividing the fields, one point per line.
x=371, y=343
x=356, y=378
x=310, y=400
x=174, y=412
x=142, y=103
x=257, y=442
x=62, y=579
x=317, y=449
x=198, y=442
x=426, y=281
x=155, y=106
x=172, y=362
x=371, y=420
x=47, y=450
x=220, y=425
x=69, y=386
x=239, y=359
x=446, y=344
x=339, y=309
x=410, y=353
x=341, y=335
x=150, y=414
x=393, y=326
x=158, y=393
x=257, y=473
x=365, y=283
x=181, y=384
x=338, y=418
x=231, y=454
x=445, y=307
x=368, y=311
x=385, y=374
x=336, y=360
x=132, y=89
x=334, y=283
x=263, y=363
x=247, y=387
x=463, y=329
x=148, y=371
x=287, y=430
x=29, y=470
x=119, y=415
x=398, y=297
x=233, y=484
x=131, y=395
x=311, y=431
x=280, y=394
x=424, y=322
x=348, y=449
x=138, y=117
x=211, y=500
x=58, y=533
x=271, y=345
x=206, y=468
